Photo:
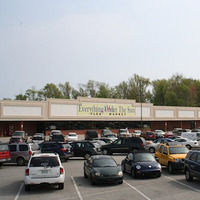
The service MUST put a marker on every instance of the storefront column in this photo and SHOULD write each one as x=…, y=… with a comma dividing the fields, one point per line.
x=165, y=126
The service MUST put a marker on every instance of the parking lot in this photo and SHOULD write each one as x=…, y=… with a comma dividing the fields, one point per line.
x=79, y=188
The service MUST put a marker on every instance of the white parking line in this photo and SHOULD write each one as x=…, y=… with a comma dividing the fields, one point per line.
x=19, y=191
x=77, y=190
x=137, y=191
x=181, y=183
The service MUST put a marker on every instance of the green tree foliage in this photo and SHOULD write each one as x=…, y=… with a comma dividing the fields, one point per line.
x=50, y=90
x=175, y=91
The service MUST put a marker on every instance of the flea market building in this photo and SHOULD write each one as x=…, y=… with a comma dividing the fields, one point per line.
x=84, y=113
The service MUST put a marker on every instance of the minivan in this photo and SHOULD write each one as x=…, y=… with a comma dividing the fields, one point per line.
x=191, y=135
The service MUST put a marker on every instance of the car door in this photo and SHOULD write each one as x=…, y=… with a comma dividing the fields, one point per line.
x=128, y=162
x=13, y=152
x=119, y=146
x=197, y=165
x=78, y=149
x=192, y=164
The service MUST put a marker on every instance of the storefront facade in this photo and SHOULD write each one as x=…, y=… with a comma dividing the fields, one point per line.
x=92, y=113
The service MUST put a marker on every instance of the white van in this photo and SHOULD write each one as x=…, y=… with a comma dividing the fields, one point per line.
x=191, y=135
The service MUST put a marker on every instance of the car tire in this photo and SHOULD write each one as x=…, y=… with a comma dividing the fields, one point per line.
x=120, y=182
x=105, y=152
x=123, y=168
x=27, y=187
x=87, y=156
x=170, y=168
x=61, y=186
x=133, y=173
x=20, y=161
x=152, y=150
x=158, y=174
x=188, y=176
x=85, y=175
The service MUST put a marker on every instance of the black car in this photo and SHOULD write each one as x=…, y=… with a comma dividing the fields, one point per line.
x=192, y=165
x=57, y=138
x=102, y=168
x=140, y=164
x=64, y=150
x=91, y=134
x=85, y=148
x=124, y=145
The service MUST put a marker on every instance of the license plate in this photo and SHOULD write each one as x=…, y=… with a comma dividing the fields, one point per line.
x=44, y=171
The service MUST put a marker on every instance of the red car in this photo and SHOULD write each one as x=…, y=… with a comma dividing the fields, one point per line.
x=169, y=135
x=150, y=135
x=4, y=153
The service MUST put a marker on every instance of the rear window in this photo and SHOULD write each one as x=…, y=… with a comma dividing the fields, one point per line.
x=44, y=162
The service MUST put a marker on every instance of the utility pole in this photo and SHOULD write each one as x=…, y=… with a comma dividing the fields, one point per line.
x=141, y=125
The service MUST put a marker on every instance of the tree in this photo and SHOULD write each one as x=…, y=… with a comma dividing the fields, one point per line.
x=51, y=91
x=66, y=90
x=20, y=97
x=103, y=90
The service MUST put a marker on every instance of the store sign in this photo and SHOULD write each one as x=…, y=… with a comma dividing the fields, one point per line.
x=119, y=110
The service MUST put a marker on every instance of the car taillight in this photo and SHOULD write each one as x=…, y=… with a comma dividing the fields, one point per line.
x=61, y=170
x=63, y=149
x=142, y=144
x=27, y=172
x=30, y=153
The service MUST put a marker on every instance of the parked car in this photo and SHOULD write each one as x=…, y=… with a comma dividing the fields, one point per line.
x=187, y=142
x=140, y=164
x=4, y=153
x=137, y=133
x=171, y=155
x=159, y=133
x=169, y=135
x=101, y=142
x=106, y=132
x=20, y=134
x=37, y=139
x=113, y=137
x=64, y=150
x=72, y=137
x=44, y=168
x=57, y=138
x=123, y=133
x=124, y=145
x=102, y=168
x=16, y=140
x=91, y=134
x=21, y=152
x=192, y=165
x=54, y=132
x=40, y=134
x=149, y=135
x=153, y=145
x=106, y=140
x=191, y=135
x=177, y=131
x=85, y=148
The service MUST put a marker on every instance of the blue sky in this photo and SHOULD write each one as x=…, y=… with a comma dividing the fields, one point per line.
x=54, y=41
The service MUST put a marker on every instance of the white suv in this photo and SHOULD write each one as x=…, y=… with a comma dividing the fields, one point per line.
x=44, y=168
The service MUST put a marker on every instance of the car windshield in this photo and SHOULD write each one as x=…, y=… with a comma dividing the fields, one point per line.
x=4, y=147
x=44, y=162
x=72, y=135
x=104, y=162
x=143, y=157
x=178, y=150
x=37, y=138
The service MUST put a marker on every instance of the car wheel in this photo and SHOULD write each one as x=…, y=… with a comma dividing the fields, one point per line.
x=120, y=182
x=133, y=173
x=152, y=150
x=92, y=181
x=87, y=156
x=60, y=186
x=27, y=187
x=20, y=161
x=85, y=175
x=188, y=176
x=188, y=146
x=158, y=174
x=170, y=168
x=123, y=167
x=105, y=152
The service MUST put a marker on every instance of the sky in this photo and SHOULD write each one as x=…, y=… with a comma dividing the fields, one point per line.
x=58, y=41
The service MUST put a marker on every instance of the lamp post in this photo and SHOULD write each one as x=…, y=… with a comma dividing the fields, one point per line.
x=141, y=125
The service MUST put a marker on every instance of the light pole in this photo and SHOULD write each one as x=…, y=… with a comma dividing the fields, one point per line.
x=141, y=125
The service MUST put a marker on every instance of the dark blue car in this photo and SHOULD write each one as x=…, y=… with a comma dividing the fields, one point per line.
x=140, y=164
x=192, y=165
